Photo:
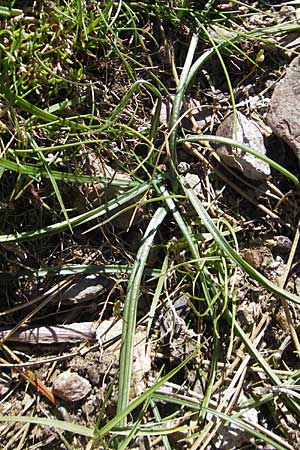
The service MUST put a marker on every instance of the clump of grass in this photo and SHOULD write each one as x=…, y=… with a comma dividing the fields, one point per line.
x=89, y=78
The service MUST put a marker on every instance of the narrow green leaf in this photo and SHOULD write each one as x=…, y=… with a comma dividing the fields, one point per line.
x=10, y=12
x=35, y=171
x=130, y=310
x=229, y=251
x=38, y=112
x=146, y=395
x=60, y=424
x=233, y=143
x=78, y=220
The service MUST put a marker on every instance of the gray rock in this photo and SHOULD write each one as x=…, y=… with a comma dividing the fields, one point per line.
x=5, y=383
x=172, y=318
x=248, y=133
x=71, y=387
x=284, y=109
x=195, y=182
x=183, y=167
x=85, y=288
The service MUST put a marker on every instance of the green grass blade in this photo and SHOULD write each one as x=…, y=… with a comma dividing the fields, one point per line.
x=193, y=247
x=14, y=99
x=157, y=293
x=229, y=251
x=233, y=143
x=53, y=182
x=75, y=270
x=10, y=12
x=59, y=424
x=145, y=396
x=130, y=309
x=177, y=103
x=135, y=87
x=78, y=220
x=36, y=171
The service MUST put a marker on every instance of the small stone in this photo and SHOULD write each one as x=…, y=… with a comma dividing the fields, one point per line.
x=230, y=436
x=5, y=382
x=85, y=288
x=281, y=244
x=297, y=285
x=284, y=109
x=183, y=167
x=247, y=133
x=195, y=182
x=71, y=387
x=287, y=12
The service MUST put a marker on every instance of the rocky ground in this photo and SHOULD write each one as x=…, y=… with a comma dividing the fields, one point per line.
x=64, y=285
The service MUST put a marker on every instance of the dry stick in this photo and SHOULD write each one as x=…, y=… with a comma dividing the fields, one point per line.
x=234, y=391
x=282, y=197
x=262, y=324
x=6, y=431
x=16, y=437
x=281, y=282
x=74, y=332
x=285, y=198
x=26, y=429
x=269, y=433
x=29, y=376
x=239, y=376
x=42, y=361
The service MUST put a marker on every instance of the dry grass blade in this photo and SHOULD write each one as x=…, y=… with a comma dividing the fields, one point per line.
x=71, y=333
x=29, y=376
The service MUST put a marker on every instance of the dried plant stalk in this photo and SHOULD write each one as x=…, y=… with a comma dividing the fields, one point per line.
x=75, y=332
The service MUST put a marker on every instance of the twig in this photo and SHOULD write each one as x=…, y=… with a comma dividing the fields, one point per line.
x=29, y=376
x=75, y=332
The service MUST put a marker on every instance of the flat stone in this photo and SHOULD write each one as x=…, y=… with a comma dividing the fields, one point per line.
x=85, y=288
x=5, y=383
x=247, y=133
x=195, y=182
x=71, y=387
x=284, y=109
